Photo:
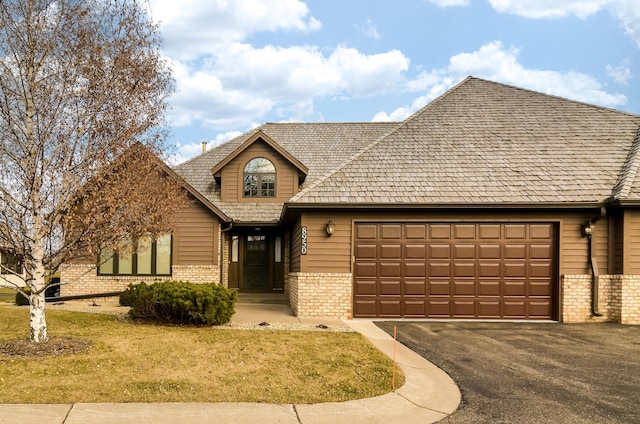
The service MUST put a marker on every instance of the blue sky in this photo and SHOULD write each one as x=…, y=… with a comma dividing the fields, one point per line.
x=240, y=63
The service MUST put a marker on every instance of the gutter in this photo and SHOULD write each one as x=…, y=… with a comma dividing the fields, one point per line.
x=588, y=231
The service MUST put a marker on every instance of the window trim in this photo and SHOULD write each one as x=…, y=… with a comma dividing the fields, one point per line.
x=115, y=271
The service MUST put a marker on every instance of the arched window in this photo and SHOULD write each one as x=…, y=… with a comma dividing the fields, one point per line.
x=259, y=178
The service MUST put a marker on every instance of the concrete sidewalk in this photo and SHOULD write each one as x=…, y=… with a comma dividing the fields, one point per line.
x=427, y=396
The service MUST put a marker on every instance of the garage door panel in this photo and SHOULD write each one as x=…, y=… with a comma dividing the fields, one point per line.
x=390, y=308
x=464, y=288
x=415, y=269
x=415, y=308
x=439, y=269
x=365, y=308
x=464, y=269
x=461, y=270
x=415, y=251
x=414, y=288
x=438, y=308
x=390, y=269
x=439, y=288
x=389, y=288
x=391, y=251
x=366, y=269
x=365, y=288
x=489, y=288
x=463, y=308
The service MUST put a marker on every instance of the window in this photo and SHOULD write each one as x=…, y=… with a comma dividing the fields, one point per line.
x=10, y=263
x=152, y=257
x=259, y=178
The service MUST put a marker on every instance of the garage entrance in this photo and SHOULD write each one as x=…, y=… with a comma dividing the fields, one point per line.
x=446, y=270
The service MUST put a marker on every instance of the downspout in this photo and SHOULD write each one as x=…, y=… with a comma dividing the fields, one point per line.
x=587, y=231
x=222, y=232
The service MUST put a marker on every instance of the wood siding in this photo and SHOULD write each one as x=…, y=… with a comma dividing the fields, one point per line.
x=232, y=175
x=296, y=246
x=632, y=242
x=333, y=254
x=195, y=239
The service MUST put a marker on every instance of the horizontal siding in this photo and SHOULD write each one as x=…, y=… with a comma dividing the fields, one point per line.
x=195, y=238
x=333, y=254
x=296, y=245
x=232, y=175
x=634, y=242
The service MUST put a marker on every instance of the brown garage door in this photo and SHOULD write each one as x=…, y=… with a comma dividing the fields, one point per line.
x=443, y=270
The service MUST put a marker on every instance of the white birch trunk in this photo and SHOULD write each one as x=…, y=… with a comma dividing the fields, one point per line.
x=37, y=320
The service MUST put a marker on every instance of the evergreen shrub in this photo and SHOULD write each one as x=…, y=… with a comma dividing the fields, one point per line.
x=180, y=302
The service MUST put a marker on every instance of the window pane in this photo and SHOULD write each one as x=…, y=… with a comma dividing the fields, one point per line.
x=11, y=264
x=144, y=255
x=278, y=249
x=259, y=166
x=163, y=255
x=106, y=261
x=268, y=186
x=234, y=249
x=125, y=258
x=251, y=185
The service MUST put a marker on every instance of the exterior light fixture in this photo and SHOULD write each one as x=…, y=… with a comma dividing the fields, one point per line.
x=329, y=228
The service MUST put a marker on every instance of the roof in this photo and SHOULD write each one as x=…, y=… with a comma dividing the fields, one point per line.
x=487, y=143
x=318, y=147
x=480, y=143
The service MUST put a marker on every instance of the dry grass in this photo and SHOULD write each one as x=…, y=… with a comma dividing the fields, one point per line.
x=129, y=362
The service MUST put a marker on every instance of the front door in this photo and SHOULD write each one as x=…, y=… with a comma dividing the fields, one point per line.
x=256, y=259
x=255, y=275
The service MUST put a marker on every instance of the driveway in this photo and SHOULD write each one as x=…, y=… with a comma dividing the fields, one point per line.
x=534, y=373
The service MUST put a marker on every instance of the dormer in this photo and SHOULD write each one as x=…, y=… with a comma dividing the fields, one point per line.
x=259, y=170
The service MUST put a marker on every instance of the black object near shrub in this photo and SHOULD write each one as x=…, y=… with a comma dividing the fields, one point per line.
x=180, y=302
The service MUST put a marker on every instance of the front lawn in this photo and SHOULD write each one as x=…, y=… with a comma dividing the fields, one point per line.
x=132, y=362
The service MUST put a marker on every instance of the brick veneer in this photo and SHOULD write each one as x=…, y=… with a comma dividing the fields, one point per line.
x=83, y=279
x=320, y=295
x=618, y=297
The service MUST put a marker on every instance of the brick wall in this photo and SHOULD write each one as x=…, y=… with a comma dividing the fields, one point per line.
x=83, y=279
x=630, y=310
x=320, y=295
x=618, y=297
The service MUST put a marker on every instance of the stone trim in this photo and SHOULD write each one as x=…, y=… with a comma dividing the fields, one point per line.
x=321, y=295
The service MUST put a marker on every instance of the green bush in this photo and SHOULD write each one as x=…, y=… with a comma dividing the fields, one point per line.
x=181, y=302
x=132, y=292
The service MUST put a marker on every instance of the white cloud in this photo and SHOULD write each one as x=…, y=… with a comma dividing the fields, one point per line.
x=627, y=12
x=192, y=28
x=621, y=73
x=370, y=30
x=494, y=62
x=184, y=152
x=449, y=3
x=218, y=96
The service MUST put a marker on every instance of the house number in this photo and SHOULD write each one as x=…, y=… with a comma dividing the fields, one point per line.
x=303, y=249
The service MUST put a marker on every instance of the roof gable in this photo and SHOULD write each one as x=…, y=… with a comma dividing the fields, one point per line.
x=261, y=136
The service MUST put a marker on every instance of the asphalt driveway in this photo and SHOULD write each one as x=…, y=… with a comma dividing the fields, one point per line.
x=534, y=373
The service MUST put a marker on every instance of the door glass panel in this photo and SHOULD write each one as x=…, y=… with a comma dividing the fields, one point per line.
x=278, y=249
x=256, y=262
x=234, y=249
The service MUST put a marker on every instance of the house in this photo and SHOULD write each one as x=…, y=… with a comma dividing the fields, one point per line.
x=492, y=202
x=11, y=269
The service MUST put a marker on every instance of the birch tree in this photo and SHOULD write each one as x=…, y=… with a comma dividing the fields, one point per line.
x=83, y=89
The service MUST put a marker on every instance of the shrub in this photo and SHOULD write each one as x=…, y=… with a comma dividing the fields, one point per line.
x=183, y=303
x=132, y=292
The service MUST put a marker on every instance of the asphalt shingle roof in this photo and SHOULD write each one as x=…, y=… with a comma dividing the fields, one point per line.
x=479, y=143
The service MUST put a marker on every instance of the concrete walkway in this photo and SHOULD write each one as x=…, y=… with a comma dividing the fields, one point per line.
x=427, y=396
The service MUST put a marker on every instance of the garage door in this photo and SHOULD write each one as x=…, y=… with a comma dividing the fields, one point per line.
x=443, y=270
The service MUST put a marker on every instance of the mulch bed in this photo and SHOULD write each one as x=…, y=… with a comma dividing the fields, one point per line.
x=56, y=346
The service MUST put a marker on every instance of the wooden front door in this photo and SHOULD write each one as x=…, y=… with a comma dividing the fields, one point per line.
x=255, y=275
x=256, y=260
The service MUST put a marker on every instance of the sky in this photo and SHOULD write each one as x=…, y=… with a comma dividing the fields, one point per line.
x=241, y=63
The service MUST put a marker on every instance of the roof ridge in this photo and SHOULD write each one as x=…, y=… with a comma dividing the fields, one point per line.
x=346, y=162
x=629, y=170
